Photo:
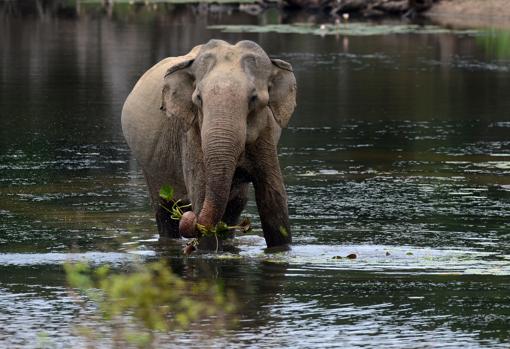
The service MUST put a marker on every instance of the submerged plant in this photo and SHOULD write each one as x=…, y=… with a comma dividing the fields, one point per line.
x=148, y=301
x=220, y=231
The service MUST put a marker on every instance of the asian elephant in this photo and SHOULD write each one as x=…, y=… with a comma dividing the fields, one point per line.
x=208, y=124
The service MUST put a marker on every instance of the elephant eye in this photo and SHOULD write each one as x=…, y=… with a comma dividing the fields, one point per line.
x=253, y=100
x=198, y=100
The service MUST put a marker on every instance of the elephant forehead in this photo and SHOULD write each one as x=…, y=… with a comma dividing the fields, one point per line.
x=256, y=65
x=244, y=44
x=221, y=85
x=216, y=56
x=226, y=52
x=220, y=56
x=230, y=56
x=213, y=43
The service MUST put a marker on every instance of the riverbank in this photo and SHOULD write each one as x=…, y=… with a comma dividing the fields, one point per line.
x=471, y=13
x=458, y=13
x=452, y=13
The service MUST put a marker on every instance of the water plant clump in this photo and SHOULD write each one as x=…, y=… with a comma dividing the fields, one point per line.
x=219, y=231
x=347, y=29
x=145, y=303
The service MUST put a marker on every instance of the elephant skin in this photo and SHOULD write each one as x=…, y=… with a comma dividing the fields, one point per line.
x=208, y=124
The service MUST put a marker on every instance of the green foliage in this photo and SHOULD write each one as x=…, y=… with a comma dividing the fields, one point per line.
x=220, y=231
x=176, y=210
x=149, y=299
x=496, y=42
x=166, y=192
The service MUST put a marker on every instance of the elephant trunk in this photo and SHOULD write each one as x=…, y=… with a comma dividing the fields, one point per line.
x=223, y=139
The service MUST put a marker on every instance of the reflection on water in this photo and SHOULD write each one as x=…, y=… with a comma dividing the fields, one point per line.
x=399, y=152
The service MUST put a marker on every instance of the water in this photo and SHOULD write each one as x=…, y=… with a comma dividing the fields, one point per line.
x=399, y=152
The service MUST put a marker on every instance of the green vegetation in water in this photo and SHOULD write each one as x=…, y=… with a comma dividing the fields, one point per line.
x=149, y=301
x=220, y=231
x=349, y=29
x=176, y=210
x=497, y=42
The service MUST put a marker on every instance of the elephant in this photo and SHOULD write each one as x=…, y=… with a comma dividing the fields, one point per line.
x=208, y=123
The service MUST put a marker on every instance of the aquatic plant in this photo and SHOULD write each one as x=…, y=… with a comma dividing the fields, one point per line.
x=496, y=42
x=149, y=301
x=350, y=29
x=220, y=231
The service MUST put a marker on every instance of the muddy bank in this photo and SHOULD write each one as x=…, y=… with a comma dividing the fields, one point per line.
x=471, y=13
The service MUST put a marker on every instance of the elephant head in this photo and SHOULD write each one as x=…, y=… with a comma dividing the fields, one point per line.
x=227, y=94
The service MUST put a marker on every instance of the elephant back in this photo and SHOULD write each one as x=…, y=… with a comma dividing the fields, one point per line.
x=144, y=125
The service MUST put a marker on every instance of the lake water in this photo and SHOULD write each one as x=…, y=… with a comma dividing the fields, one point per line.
x=399, y=152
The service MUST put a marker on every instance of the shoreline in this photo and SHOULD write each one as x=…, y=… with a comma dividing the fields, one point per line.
x=460, y=14
x=470, y=13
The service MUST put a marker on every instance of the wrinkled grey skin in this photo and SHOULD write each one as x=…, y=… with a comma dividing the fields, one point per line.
x=208, y=124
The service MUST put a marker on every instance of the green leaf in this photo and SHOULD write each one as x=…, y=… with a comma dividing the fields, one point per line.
x=222, y=229
x=166, y=192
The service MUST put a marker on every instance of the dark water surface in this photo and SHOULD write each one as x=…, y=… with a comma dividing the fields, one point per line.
x=399, y=151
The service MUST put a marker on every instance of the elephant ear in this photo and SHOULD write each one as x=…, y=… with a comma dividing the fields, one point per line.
x=282, y=92
x=178, y=89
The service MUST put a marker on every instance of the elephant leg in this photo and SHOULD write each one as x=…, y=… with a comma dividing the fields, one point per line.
x=273, y=211
x=271, y=196
x=167, y=227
